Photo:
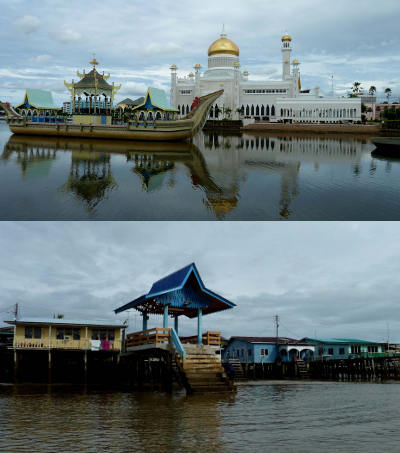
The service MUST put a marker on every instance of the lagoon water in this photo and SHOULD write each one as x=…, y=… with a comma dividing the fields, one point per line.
x=288, y=416
x=244, y=177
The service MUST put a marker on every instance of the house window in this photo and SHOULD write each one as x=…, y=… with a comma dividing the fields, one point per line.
x=355, y=349
x=60, y=334
x=103, y=334
x=28, y=332
x=77, y=334
x=111, y=334
x=95, y=334
x=372, y=348
x=68, y=332
x=249, y=352
x=264, y=352
x=37, y=332
x=330, y=351
x=341, y=351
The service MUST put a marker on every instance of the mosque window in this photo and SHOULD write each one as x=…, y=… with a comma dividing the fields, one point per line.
x=265, y=91
x=185, y=92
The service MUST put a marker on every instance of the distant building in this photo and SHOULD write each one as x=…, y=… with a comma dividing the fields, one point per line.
x=375, y=111
x=342, y=348
x=129, y=103
x=267, y=349
x=38, y=106
x=67, y=107
x=281, y=100
x=48, y=333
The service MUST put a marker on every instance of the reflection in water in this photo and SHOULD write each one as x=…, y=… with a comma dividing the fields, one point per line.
x=216, y=177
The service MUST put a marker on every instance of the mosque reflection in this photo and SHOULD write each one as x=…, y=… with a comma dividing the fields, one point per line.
x=219, y=166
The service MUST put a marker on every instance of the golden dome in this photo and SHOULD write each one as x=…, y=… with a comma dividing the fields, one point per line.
x=286, y=37
x=236, y=64
x=246, y=72
x=295, y=62
x=197, y=66
x=191, y=74
x=173, y=66
x=223, y=45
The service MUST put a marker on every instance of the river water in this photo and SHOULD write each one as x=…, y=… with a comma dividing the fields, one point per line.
x=292, y=416
x=216, y=178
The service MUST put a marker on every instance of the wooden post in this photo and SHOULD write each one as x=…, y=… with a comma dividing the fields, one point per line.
x=199, y=326
x=176, y=324
x=49, y=367
x=15, y=365
x=85, y=367
x=165, y=320
x=144, y=321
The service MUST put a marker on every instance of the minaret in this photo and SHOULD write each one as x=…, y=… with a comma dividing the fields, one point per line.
x=173, y=85
x=197, y=68
x=296, y=76
x=286, y=52
x=236, y=90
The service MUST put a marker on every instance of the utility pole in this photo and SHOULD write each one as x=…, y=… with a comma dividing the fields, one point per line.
x=276, y=318
x=16, y=312
x=333, y=90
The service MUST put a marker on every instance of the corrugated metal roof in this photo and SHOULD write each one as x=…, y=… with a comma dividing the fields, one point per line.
x=183, y=291
x=337, y=340
x=39, y=98
x=65, y=321
x=281, y=340
x=89, y=81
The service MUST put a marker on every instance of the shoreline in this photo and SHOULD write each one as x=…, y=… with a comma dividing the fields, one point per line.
x=314, y=128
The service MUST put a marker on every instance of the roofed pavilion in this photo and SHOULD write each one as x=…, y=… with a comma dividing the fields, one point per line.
x=92, y=94
x=181, y=293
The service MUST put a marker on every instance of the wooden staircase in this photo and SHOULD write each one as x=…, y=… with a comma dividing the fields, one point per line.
x=203, y=371
x=238, y=373
x=302, y=369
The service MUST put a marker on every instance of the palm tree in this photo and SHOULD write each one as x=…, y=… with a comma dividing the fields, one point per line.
x=356, y=87
x=372, y=91
x=388, y=93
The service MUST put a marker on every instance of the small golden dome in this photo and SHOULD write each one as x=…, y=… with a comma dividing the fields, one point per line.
x=173, y=66
x=246, y=72
x=197, y=66
x=94, y=62
x=295, y=61
x=286, y=37
x=236, y=64
x=191, y=74
x=223, y=45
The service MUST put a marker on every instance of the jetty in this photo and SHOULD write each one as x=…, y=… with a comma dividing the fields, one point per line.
x=193, y=363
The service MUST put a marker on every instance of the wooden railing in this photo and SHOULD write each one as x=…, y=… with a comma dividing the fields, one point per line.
x=21, y=342
x=209, y=339
x=150, y=336
x=163, y=336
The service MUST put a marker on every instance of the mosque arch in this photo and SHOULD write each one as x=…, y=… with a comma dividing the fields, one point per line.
x=247, y=110
x=273, y=111
x=267, y=110
x=252, y=110
x=262, y=110
x=158, y=116
x=141, y=116
x=257, y=111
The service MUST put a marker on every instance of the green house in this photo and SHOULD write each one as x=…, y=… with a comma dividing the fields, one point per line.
x=154, y=107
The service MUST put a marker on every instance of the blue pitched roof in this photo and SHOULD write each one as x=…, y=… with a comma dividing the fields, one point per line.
x=181, y=295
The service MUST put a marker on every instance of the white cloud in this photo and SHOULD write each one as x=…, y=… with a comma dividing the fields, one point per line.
x=66, y=36
x=28, y=24
x=41, y=59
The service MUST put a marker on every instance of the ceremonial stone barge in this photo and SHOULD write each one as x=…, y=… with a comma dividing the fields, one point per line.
x=193, y=363
x=92, y=100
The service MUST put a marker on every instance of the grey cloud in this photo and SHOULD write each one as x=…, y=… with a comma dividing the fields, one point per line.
x=28, y=24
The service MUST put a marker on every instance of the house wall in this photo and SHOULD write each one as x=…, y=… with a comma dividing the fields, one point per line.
x=250, y=352
x=333, y=351
x=49, y=338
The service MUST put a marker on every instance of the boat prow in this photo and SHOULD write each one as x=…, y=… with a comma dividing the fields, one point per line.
x=389, y=146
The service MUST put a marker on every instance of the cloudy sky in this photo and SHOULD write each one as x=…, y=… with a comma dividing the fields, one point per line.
x=325, y=279
x=43, y=43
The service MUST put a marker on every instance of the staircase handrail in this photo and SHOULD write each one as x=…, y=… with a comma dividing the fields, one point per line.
x=175, y=340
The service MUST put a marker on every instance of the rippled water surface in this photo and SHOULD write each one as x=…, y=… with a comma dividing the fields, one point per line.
x=227, y=178
x=273, y=416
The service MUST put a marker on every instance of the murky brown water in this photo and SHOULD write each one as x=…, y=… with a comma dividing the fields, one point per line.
x=273, y=416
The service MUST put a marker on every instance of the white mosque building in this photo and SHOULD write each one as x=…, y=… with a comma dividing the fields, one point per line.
x=274, y=101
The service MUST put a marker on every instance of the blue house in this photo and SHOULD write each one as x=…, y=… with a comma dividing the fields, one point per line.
x=266, y=349
x=154, y=107
x=342, y=348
